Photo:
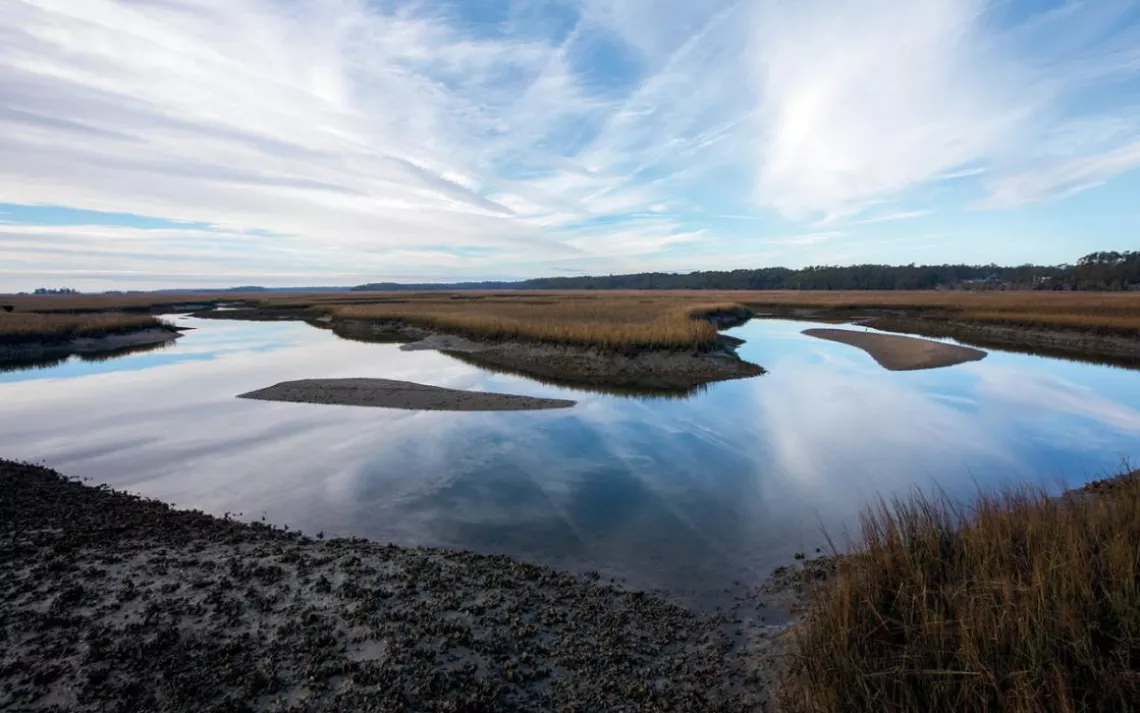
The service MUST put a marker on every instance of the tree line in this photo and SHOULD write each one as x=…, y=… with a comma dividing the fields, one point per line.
x=1095, y=271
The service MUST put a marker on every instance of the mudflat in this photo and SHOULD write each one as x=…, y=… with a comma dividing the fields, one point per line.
x=113, y=603
x=389, y=393
x=898, y=353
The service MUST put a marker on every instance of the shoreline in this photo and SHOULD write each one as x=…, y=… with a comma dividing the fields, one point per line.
x=389, y=393
x=142, y=606
x=40, y=349
x=1114, y=349
x=652, y=370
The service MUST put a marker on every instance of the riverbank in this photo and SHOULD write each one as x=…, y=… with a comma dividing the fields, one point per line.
x=388, y=393
x=896, y=353
x=55, y=348
x=1113, y=347
x=114, y=603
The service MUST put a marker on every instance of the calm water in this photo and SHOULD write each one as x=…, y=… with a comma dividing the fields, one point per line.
x=684, y=495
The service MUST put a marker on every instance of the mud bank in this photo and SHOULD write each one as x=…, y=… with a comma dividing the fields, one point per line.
x=388, y=393
x=1116, y=349
x=38, y=350
x=896, y=353
x=113, y=603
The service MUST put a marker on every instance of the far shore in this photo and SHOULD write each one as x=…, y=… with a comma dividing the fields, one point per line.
x=898, y=353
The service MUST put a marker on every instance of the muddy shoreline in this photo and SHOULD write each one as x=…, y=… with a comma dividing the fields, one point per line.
x=389, y=393
x=114, y=603
x=41, y=350
x=1115, y=349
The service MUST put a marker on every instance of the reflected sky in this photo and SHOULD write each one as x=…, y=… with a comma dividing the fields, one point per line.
x=684, y=495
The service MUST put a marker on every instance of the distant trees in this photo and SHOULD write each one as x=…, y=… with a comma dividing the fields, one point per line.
x=1095, y=271
x=55, y=291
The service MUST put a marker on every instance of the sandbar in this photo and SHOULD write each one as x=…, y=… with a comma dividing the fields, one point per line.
x=389, y=393
x=898, y=353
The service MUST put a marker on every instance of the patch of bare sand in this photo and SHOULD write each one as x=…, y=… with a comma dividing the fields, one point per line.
x=388, y=393
x=898, y=353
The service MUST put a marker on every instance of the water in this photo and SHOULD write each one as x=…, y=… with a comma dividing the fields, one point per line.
x=688, y=496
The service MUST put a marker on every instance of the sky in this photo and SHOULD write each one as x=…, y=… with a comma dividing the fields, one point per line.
x=197, y=143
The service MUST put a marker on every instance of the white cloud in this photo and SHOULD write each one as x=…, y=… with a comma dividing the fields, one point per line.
x=391, y=138
x=1062, y=178
x=898, y=215
x=865, y=99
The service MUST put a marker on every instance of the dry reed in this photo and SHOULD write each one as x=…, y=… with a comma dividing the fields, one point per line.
x=26, y=326
x=608, y=324
x=1021, y=603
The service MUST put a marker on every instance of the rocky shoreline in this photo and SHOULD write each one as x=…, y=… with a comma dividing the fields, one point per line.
x=109, y=602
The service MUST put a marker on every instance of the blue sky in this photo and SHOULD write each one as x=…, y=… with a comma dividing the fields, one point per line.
x=154, y=143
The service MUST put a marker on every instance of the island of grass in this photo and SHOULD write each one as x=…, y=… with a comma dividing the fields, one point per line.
x=664, y=344
x=29, y=336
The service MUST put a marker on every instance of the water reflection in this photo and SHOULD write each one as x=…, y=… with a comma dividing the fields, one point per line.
x=646, y=392
x=686, y=495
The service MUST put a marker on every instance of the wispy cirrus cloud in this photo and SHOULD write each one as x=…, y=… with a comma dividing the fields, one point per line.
x=505, y=139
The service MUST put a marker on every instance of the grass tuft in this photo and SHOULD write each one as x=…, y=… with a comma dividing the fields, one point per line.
x=1021, y=603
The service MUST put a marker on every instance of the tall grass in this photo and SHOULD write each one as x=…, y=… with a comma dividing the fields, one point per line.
x=26, y=326
x=1021, y=603
x=608, y=324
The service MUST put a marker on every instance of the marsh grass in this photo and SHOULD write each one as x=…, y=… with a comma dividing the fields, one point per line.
x=1098, y=312
x=615, y=324
x=1021, y=603
x=27, y=326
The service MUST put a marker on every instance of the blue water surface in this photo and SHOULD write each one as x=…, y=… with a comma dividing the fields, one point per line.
x=685, y=495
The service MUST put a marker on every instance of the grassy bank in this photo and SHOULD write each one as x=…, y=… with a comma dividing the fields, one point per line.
x=616, y=323
x=1098, y=312
x=17, y=327
x=1021, y=603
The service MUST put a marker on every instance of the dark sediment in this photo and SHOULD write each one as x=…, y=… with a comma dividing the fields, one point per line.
x=657, y=370
x=389, y=393
x=113, y=603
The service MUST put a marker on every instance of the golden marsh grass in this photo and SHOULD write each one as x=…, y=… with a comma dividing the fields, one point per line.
x=27, y=326
x=605, y=323
x=1021, y=603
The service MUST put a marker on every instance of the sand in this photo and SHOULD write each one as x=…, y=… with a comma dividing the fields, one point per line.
x=898, y=353
x=388, y=393
x=113, y=603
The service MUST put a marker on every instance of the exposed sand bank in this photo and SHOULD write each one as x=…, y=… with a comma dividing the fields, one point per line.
x=26, y=351
x=898, y=353
x=112, y=603
x=388, y=393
